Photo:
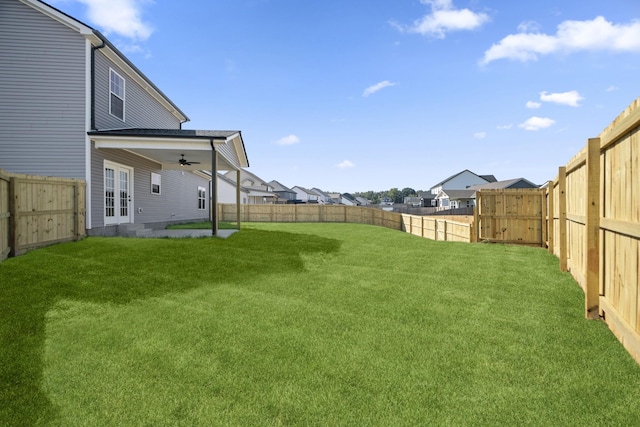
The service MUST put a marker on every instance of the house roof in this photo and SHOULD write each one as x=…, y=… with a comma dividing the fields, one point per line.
x=245, y=174
x=306, y=190
x=502, y=184
x=279, y=187
x=349, y=197
x=485, y=177
x=489, y=178
x=320, y=192
x=456, y=194
x=99, y=41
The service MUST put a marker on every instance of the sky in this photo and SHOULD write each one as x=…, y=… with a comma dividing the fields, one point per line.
x=355, y=95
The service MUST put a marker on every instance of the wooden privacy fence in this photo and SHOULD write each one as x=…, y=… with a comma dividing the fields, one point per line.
x=310, y=213
x=511, y=216
x=39, y=211
x=594, y=225
x=450, y=229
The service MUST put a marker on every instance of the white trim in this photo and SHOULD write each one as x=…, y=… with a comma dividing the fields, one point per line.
x=132, y=143
x=204, y=198
x=58, y=16
x=159, y=176
x=117, y=167
x=124, y=95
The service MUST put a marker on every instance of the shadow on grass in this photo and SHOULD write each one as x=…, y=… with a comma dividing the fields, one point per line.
x=117, y=271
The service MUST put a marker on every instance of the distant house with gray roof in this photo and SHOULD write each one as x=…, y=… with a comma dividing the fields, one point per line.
x=285, y=194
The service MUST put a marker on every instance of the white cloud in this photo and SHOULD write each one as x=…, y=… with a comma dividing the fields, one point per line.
x=376, y=87
x=533, y=105
x=536, y=123
x=612, y=88
x=505, y=127
x=529, y=27
x=122, y=17
x=444, y=18
x=346, y=165
x=480, y=135
x=572, y=36
x=571, y=98
x=288, y=140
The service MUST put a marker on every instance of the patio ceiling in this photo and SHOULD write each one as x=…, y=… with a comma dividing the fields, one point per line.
x=166, y=147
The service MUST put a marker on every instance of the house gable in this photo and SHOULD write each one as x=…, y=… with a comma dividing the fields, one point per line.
x=459, y=181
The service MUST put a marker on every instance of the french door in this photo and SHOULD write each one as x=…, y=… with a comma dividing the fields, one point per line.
x=118, y=182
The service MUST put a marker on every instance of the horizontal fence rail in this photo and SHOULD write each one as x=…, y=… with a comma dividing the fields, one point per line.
x=39, y=211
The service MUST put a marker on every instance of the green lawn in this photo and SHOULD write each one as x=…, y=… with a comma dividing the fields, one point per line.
x=303, y=324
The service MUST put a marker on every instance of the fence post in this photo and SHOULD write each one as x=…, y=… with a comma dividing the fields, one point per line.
x=551, y=216
x=592, y=291
x=543, y=219
x=562, y=214
x=13, y=217
x=77, y=210
x=476, y=216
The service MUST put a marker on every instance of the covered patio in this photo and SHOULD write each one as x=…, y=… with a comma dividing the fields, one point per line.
x=183, y=149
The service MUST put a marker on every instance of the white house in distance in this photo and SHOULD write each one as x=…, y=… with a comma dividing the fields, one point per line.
x=460, y=181
x=323, y=197
x=305, y=195
x=259, y=191
x=454, y=199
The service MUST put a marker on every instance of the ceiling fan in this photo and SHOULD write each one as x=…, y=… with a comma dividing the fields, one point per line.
x=183, y=162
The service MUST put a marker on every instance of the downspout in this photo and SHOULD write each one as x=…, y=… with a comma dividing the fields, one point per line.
x=93, y=85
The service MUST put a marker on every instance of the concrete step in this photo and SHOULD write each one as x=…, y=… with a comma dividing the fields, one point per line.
x=134, y=230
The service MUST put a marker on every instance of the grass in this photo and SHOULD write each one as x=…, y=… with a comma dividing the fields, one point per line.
x=203, y=225
x=303, y=324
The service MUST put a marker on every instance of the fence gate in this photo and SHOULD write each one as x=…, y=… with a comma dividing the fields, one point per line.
x=514, y=216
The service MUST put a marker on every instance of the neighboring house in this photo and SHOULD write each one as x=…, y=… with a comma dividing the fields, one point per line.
x=335, y=198
x=414, y=201
x=323, y=197
x=460, y=181
x=362, y=201
x=428, y=199
x=227, y=191
x=348, y=199
x=72, y=105
x=260, y=192
x=305, y=195
x=453, y=199
x=285, y=194
x=509, y=183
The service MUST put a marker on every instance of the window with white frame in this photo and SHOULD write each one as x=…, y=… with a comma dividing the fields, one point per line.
x=156, y=180
x=202, y=198
x=116, y=95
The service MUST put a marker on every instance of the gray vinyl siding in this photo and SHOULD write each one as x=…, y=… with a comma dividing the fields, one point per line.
x=42, y=94
x=178, y=200
x=141, y=110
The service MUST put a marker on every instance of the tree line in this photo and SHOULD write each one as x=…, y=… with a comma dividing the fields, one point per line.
x=394, y=195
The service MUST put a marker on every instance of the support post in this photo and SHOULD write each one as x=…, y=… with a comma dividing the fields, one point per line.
x=214, y=191
x=592, y=291
x=238, y=198
x=562, y=214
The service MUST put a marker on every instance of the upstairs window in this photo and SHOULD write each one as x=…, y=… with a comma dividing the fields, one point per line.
x=116, y=95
